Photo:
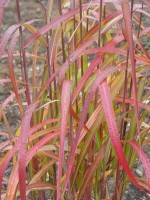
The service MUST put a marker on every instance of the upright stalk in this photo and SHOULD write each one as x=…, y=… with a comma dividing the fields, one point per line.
x=75, y=65
x=62, y=34
x=23, y=57
x=123, y=123
x=81, y=35
x=99, y=41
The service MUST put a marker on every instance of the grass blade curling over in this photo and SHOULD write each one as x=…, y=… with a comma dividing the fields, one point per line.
x=144, y=159
x=74, y=109
x=113, y=130
x=6, y=37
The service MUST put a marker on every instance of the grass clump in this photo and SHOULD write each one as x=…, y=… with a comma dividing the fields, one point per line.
x=82, y=98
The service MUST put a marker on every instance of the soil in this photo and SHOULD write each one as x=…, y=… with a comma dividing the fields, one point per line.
x=33, y=10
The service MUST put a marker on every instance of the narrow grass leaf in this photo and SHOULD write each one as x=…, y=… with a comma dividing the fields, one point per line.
x=144, y=160
x=144, y=31
x=72, y=58
x=131, y=101
x=8, y=142
x=90, y=172
x=10, y=98
x=8, y=81
x=43, y=133
x=86, y=75
x=128, y=32
x=105, y=50
x=23, y=140
x=5, y=38
x=39, y=144
x=32, y=29
x=53, y=24
x=113, y=130
x=42, y=171
x=11, y=66
x=106, y=72
x=40, y=186
x=93, y=124
x=4, y=163
x=41, y=125
x=65, y=103
x=3, y=4
x=14, y=178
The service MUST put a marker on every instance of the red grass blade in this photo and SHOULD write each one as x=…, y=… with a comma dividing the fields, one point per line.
x=72, y=58
x=40, y=125
x=47, y=83
x=143, y=12
x=53, y=24
x=13, y=79
x=27, y=55
x=11, y=68
x=3, y=4
x=144, y=159
x=39, y=144
x=131, y=101
x=81, y=50
x=147, y=2
x=90, y=172
x=6, y=37
x=94, y=63
x=75, y=116
x=10, y=98
x=8, y=81
x=113, y=130
x=105, y=50
x=14, y=175
x=112, y=16
x=96, y=2
x=86, y=75
x=128, y=32
x=8, y=34
x=8, y=142
x=31, y=152
x=23, y=139
x=4, y=165
x=145, y=31
x=43, y=170
x=42, y=133
x=92, y=91
x=40, y=186
x=65, y=103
